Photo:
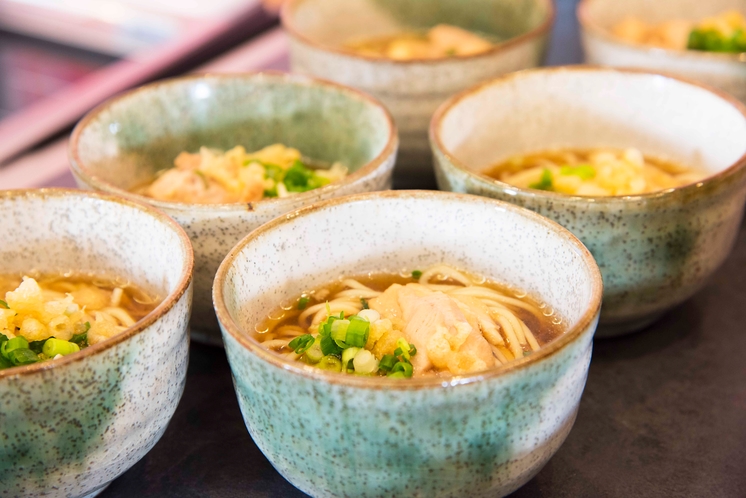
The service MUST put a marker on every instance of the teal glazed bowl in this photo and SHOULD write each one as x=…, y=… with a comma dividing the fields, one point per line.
x=484, y=434
x=68, y=427
x=655, y=250
x=124, y=142
x=413, y=89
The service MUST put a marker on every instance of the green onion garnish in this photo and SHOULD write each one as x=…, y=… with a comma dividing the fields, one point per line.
x=584, y=171
x=11, y=345
x=387, y=362
x=544, y=183
x=328, y=346
x=303, y=302
x=37, y=346
x=331, y=363
x=357, y=332
x=203, y=177
x=364, y=302
x=53, y=347
x=302, y=343
x=314, y=353
x=404, y=349
x=339, y=330
x=22, y=356
x=4, y=304
x=403, y=366
x=416, y=274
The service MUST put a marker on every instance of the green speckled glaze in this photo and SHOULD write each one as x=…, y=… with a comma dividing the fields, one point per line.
x=334, y=435
x=121, y=145
x=654, y=250
x=412, y=90
x=69, y=427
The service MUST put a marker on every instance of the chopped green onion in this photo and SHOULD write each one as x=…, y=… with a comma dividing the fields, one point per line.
x=387, y=362
x=331, y=363
x=357, y=331
x=3, y=338
x=22, y=356
x=416, y=274
x=314, y=353
x=527, y=353
x=404, y=349
x=271, y=171
x=545, y=182
x=53, y=347
x=339, y=329
x=5, y=363
x=7, y=347
x=403, y=366
x=303, y=302
x=4, y=304
x=348, y=355
x=365, y=362
x=301, y=343
x=364, y=302
x=584, y=171
x=397, y=375
x=328, y=346
x=37, y=346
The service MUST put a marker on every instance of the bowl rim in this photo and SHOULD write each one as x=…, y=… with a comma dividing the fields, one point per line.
x=164, y=307
x=79, y=168
x=587, y=23
x=722, y=176
x=286, y=19
x=233, y=329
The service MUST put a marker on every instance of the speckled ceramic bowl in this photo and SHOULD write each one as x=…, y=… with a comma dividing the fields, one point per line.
x=340, y=435
x=122, y=143
x=598, y=17
x=69, y=427
x=412, y=90
x=654, y=250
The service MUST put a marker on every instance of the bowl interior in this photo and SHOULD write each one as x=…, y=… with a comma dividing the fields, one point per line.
x=407, y=230
x=607, y=13
x=587, y=107
x=65, y=231
x=126, y=141
x=336, y=22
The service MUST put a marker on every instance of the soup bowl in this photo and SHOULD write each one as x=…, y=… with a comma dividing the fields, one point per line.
x=598, y=17
x=482, y=434
x=124, y=142
x=654, y=250
x=72, y=425
x=413, y=89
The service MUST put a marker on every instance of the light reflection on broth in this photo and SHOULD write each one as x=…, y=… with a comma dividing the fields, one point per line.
x=452, y=321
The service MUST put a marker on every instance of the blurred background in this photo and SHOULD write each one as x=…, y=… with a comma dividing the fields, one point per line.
x=61, y=58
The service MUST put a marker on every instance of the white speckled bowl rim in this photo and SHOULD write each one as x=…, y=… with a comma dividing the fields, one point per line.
x=79, y=167
x=160, y=310
x=286, y=17
x=245, y=340
x=659, y=196
x=588, y=24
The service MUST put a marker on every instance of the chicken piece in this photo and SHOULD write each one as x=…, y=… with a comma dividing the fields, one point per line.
x=437, y=326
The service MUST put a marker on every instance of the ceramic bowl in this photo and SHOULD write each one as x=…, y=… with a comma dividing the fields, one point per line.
x=654, y=250
x=412, y=90
x=484, y=434
x=70, y=426
x=598, y=17
x=121, y=144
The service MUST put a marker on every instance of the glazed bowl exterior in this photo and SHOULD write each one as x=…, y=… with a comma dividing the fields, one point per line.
x=121, y=144
x=654, y=250
x=598, y=17
x=70, y=426
x=484, y=434
x=412, y=90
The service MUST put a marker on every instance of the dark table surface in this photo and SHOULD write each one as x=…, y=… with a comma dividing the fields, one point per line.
x=663, y=413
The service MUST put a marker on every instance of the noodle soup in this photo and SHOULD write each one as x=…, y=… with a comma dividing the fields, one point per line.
x=50, y=316
x=594, y=172
x=439, y=321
